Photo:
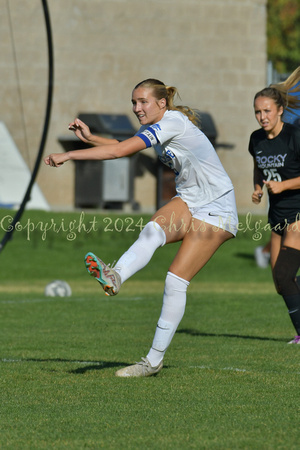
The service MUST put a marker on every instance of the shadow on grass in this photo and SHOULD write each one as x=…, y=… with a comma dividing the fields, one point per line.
x=86, y=365
x=249, y=256
x=192, y=332
x=99, y=366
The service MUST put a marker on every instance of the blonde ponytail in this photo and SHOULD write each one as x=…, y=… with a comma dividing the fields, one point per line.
x=289, y=86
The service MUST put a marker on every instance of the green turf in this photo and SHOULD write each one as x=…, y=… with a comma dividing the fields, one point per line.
x=230, y=381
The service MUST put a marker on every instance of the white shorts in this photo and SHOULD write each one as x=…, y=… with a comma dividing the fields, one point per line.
x=221, y=213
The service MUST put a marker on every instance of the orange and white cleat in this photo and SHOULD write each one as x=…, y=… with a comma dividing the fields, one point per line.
x=108, y=278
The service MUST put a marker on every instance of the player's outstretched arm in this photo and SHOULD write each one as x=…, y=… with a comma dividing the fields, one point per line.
x=104, y=152
x=83, y=132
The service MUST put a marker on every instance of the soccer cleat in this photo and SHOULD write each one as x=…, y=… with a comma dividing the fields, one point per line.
x=296, y=340
x=140, y=369
x=109, y=279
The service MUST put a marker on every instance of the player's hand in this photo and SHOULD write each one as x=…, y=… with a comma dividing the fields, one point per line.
x=56, y=159
x=257, y=196
x=81, y=130
x=274, y=187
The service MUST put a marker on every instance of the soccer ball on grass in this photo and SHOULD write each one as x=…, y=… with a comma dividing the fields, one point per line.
x=58, y=288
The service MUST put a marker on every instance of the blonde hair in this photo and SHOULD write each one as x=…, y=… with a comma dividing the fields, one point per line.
x=289, y=86
x=160, y=90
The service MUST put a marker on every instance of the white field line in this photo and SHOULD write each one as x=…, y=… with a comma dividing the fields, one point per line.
x=235, y=369
x=231, y=369
x=64, y=299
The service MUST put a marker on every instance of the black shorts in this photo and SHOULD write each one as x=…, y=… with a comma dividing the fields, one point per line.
x=280, y=224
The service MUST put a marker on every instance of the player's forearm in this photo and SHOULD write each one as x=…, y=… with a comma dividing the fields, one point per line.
x=291, y=184
x=257, y=177
x=100, y=153
x=257, y=180
x=257, y=187
x=112, y=151
x=99, y=140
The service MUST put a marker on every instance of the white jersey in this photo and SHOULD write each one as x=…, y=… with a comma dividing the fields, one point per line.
x=200, y=176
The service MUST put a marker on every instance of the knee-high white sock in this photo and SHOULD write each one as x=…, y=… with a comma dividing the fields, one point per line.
x=139, y=254
x=173, y=308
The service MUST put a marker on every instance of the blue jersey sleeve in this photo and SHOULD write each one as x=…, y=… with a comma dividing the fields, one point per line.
x=148, y=136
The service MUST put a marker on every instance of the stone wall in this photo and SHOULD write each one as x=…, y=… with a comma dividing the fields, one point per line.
x=213, y=51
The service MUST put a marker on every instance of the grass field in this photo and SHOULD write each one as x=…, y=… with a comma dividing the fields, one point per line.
x=230, y=380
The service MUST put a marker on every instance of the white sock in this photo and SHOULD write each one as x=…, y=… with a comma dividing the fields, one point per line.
x=172, y=311
x=139, y=254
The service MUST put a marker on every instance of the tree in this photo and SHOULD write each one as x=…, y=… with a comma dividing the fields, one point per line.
x=283, y=33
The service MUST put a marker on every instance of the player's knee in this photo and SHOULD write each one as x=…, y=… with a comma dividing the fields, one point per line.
x=285, y=270
x=284, y=281
x=175, y=285
x=153, y=231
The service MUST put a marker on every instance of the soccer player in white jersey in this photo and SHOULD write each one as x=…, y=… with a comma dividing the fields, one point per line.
x=202, y=215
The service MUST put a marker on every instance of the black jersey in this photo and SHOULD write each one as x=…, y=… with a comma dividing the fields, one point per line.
x=278, y=159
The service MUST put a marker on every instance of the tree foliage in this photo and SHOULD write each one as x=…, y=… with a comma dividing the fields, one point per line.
x=283, y=31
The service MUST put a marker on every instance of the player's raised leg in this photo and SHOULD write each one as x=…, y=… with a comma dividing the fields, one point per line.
x=134, y=259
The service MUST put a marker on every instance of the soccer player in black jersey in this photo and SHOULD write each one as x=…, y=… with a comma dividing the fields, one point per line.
x=275, y=148
x=290, y=89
